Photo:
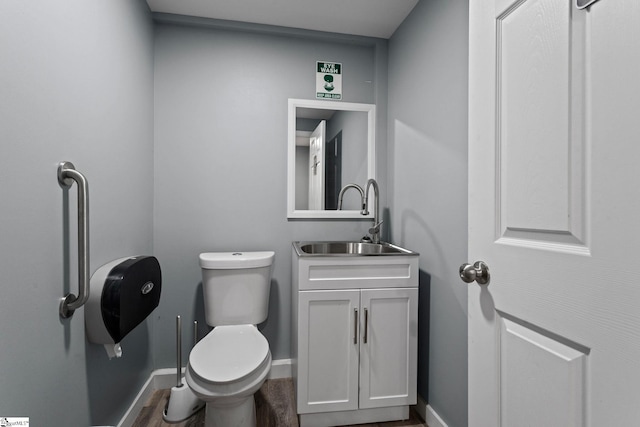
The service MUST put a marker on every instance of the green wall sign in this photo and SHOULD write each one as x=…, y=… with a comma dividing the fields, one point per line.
x=328, y=80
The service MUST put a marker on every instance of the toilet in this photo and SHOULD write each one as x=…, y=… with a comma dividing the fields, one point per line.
x=231, y=362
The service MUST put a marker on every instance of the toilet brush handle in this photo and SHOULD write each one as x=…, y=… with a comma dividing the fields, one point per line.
x=179, y=350
x=195, y=332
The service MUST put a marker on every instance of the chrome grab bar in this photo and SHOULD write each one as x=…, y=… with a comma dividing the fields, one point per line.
x=67, y=173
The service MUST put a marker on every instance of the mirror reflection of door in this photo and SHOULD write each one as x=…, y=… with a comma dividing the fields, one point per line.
x=348, y=156
x=333, y=171
x=317, y=166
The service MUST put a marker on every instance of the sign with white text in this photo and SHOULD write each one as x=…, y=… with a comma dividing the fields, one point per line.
x=328, y=80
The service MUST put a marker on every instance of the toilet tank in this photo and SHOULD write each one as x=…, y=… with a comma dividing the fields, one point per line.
x=236, y=287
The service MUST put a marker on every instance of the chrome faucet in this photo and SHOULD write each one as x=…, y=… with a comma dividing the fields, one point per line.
x=364, y=198
x=375, y=230
x=344, y=189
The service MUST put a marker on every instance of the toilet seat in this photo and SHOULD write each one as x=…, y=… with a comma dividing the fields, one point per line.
x=229, y=354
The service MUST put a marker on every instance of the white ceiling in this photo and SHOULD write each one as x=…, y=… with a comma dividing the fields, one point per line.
x=373, y=18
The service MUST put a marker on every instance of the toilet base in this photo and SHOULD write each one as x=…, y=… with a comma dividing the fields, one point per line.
x=240, y=412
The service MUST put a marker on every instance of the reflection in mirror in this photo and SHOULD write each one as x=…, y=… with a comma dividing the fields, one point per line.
x=331, y=144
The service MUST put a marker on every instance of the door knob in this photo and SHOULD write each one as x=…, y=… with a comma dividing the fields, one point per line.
x=478, y=272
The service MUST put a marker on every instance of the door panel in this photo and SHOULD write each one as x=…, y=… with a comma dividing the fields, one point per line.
x=543, y=380
x=328, y=352
x=317, y=166
x=533, y=85
x=388, y=349
x=539, y=123
x=554, y=100
x=333, y=172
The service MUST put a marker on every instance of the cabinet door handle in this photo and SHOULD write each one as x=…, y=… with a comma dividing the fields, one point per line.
x=355, y=326
x=366, y=325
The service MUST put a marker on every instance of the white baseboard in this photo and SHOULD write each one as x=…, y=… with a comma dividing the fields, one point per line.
x=143, y=395
x=167, y=378
x=280, y=368
x=428, y=414
x=433, y=419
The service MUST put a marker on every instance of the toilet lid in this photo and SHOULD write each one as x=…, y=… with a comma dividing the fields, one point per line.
x=229, y=353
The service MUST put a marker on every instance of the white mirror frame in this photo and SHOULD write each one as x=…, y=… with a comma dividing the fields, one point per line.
x=370, y=109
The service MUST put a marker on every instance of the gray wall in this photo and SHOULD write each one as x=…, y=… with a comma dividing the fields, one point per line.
x=78, y=84
x=75, y=84
x=428, y=180
x=220, y=184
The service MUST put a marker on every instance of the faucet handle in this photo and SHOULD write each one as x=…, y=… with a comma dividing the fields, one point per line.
x=376, y=227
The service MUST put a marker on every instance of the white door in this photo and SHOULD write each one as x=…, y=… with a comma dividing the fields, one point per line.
x=388, y=347
x=328, y=350
x=316, y=166
x=554, y=211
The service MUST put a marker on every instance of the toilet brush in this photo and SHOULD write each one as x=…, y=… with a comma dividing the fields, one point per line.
x=183, y=403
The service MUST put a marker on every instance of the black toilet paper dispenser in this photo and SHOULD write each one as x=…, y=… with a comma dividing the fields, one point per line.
x=123, y=293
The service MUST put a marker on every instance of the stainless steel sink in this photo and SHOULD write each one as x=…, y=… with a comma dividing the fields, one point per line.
x=349, y=249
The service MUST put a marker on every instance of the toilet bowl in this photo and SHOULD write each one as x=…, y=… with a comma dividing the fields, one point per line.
x=225, y=369
x=230, y=364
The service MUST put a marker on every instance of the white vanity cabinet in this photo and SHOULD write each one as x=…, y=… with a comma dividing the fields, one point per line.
x=354, y=338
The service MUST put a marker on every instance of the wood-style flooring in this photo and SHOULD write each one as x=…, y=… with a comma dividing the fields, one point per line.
x=274, y=408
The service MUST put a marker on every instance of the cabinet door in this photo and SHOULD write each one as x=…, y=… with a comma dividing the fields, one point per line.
x=328, y=351
x=389, y=346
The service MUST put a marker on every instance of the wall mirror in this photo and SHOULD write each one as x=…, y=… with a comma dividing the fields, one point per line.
x=331, y=144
